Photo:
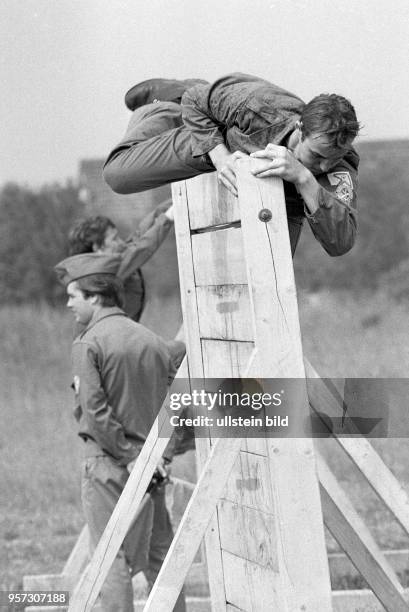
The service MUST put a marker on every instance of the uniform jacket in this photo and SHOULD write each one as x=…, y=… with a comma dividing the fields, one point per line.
x=121, y=372
x=140, y=247
x=246, y=113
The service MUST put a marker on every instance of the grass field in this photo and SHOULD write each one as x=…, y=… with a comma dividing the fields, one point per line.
x=40, y=513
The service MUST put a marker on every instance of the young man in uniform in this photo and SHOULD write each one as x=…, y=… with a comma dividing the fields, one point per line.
x=100, y=235
x=121, y=374
x=174, y=135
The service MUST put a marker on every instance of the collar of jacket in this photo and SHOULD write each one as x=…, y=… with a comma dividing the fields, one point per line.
x=111, y=311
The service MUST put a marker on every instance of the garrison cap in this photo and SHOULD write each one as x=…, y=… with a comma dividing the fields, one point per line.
x=86, y=264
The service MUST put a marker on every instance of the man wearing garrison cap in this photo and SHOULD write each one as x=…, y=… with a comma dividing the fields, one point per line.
x=121, y=372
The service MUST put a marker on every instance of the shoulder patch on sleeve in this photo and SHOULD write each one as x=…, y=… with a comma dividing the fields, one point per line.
x=342, y=182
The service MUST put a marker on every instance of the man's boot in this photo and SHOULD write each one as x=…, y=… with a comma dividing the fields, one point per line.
x=155, y=90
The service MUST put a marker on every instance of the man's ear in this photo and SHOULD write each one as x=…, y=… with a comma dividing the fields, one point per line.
x=94, y=299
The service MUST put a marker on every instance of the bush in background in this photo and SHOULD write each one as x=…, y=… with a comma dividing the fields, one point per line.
x=33, y=238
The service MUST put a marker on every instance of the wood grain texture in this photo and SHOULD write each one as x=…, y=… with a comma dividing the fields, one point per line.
x=249, y=534
x=227, y=359
x=250, y=483
x=225, y=312
x=252, y=587
x=218, y=257
x=210, y=203
x=270, y=275
x=195, y=362
x=193, y=526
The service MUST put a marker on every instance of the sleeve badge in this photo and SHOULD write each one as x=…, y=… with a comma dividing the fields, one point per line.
x=344, y=189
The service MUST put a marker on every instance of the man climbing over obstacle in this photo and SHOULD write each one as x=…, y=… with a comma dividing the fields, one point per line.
x=100, y=235
x=121, y=373
x=179, y=130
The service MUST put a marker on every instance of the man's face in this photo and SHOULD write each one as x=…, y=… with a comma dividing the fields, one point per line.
x=82, y=307
x=316, y=153
x=113, y=243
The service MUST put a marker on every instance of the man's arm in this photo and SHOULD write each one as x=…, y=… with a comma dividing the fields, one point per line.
x=141, y=248
x=101, y=422
x=148, y=221
x=330, y=199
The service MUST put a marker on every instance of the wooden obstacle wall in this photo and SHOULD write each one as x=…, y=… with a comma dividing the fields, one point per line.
x=241, y=320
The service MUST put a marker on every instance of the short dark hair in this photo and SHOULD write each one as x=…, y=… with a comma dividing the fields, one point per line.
x=107, y=286
x=332, y=115
x=88, y=232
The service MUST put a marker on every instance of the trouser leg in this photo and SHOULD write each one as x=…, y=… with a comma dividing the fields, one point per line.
x=102, y=485
x=161, y=539
x=155, y=150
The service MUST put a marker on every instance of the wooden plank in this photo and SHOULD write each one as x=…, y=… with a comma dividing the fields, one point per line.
x=187, y=280
x=340, y=565
x=124, y=512
x=225, y=312
x=250, y=483
x=355, y=539
x=360, y=450
x=362, y=600
x=218, y=257
x=252, y=587
x=194, y=352
x=379, y=476
x=270, y=275
x=249, y=534
x=79, y=555
x=324, y=397
x=193, y=525
x=228, y=359
x=256, y=446
x=293, y=479
x=210, y=203
x=231, y=608
x=50, y=582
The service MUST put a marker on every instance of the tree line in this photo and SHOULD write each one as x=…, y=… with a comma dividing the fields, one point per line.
x=34, y=225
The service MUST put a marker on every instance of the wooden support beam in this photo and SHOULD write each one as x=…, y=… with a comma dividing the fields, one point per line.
x=353, y=536
x=391, y=492
x=193, y=525
x=79, y=556
x=361, y=451
x=180, y=197
x=277, y=336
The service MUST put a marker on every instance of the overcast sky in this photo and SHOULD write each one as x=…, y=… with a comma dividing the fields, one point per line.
x=65, y=65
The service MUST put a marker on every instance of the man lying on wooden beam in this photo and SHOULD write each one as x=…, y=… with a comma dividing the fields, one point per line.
x=180, y=129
